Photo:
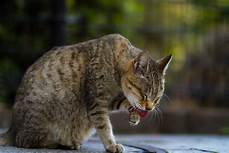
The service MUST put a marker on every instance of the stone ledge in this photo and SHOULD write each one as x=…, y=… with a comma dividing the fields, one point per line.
x=139, y=143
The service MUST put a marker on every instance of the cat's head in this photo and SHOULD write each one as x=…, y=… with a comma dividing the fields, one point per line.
x=143, y=82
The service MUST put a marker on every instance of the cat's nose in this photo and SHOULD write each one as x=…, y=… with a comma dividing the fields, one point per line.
x=149, y=106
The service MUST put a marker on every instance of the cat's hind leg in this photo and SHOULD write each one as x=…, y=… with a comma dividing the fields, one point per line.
x=30, y=138
x=68, y=143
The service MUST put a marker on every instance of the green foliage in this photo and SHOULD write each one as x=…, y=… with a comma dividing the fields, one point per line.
x=162, y=27
x=102, y=17
x=225, y=130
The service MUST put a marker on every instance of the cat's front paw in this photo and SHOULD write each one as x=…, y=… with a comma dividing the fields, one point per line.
x=75, y=147
x=134, y=118
x=115, y=148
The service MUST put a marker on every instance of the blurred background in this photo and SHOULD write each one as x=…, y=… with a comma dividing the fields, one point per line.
x=195, y=32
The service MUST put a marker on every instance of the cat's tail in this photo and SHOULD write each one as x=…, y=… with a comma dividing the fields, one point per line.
x=6, y=139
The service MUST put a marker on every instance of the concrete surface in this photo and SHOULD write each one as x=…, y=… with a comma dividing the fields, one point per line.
x=183, y=143
x=145, y=143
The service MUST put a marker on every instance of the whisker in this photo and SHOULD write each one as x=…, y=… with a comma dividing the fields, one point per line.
x=133, y=105
x=160, y=115
x=131, y=108
x=167, y=98
x=151, y=116
x=138, y=105
x=157, y=117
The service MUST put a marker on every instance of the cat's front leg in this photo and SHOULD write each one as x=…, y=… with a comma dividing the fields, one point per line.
x=100, y=118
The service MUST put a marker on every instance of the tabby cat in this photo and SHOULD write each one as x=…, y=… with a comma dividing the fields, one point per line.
x=70, y=90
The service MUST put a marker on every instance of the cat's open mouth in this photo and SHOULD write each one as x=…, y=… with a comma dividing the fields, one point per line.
x=141, y=112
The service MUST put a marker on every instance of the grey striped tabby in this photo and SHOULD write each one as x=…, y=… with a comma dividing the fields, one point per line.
x=70, y=90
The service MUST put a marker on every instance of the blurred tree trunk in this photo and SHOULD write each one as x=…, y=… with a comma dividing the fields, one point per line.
x=7, y=9
x=58, y=22
x=3, y=10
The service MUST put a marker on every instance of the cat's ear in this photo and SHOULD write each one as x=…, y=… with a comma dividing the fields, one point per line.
x=163, y=63
x=140, y=61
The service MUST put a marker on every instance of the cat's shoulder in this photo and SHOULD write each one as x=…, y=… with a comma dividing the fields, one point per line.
x=116, y=37
x=118, y=41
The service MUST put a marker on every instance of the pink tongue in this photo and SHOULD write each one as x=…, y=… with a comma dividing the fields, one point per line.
x=142, y=113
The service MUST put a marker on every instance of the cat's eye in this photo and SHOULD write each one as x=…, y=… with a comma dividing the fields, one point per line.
x=156, y=100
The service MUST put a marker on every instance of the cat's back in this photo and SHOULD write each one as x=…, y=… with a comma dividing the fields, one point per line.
x=63, y=69
x=72, y=54
x=57, y=71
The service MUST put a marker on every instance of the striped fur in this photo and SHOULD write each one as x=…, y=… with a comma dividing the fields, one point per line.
x=71, y=89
